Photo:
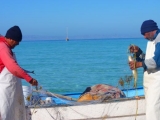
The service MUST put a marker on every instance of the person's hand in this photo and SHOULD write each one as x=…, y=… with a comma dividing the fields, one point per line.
x=133, y=65
x=34, y=82
x=133, y=49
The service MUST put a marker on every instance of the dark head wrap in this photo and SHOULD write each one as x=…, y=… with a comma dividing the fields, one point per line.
x=148, y=26
x=14, y=33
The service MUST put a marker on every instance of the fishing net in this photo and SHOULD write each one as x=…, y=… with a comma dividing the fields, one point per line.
x=101, y=92
x=94, y=94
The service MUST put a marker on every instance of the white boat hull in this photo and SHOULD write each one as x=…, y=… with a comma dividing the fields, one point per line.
x=122, y=109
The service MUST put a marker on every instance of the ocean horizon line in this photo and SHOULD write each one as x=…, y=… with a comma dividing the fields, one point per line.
x=81, y=39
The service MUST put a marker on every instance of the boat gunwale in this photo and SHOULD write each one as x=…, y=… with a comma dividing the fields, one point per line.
x=90, y=102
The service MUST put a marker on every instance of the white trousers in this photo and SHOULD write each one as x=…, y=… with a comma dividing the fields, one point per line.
x=11, y=97
x=152, y=95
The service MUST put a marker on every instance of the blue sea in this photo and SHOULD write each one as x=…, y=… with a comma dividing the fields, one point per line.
x=63, y=67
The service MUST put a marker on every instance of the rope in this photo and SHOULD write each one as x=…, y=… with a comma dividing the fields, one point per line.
x=135, y=78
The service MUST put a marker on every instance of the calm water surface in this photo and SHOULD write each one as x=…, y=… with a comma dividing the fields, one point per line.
x=72, y=66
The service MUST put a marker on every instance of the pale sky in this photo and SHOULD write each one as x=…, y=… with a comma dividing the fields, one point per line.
x=85, y=19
